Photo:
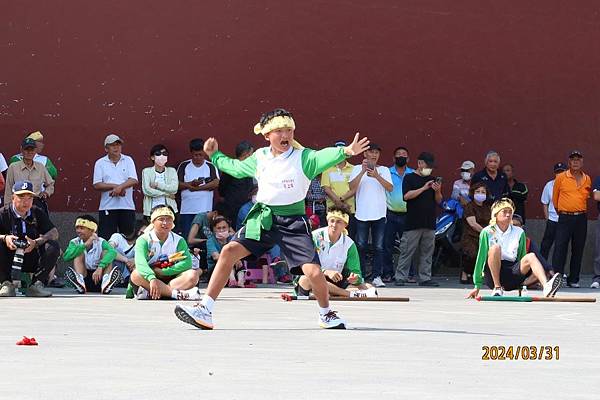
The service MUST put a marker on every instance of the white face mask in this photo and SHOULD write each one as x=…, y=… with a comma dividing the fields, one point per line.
x=479, y=197
x=161, y=160
x=466, y=176
x=426, y=171
x=253, y=199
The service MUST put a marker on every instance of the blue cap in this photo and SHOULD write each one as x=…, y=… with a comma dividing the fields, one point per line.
x=23, y=187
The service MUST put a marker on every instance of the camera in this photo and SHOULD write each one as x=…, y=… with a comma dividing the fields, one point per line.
x=371, y=165
x=17, y=264
x=438, y=179
x=21, y=243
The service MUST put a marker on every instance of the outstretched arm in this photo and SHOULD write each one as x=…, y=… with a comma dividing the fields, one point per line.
x=236, y=168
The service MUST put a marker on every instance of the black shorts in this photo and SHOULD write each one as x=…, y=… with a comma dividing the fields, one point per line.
x=510, y=275
x=293, y=236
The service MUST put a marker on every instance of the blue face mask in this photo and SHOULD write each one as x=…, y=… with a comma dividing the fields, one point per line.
x=480, y=197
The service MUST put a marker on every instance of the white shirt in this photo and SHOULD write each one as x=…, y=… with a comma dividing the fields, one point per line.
x=105, y=171
x=547, y=199
x=3, y=166
x=202, y=200
x=371, y=202
x=508, y=241
x=159, y=178
x=281, y=179
x=121, y=246
x=332, y=257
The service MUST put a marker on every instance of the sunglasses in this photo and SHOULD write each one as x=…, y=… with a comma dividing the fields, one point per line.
x=161, y=153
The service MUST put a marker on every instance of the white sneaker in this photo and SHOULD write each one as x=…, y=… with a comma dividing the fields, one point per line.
x=76, y=280
x=331, y=321
x=110, y=280
x=189, y=294
x=377, y=282
x=595, y=285
x=142, y=294
x=552, y=286
x=370, y=292
x=196, y=315
x=498, y=292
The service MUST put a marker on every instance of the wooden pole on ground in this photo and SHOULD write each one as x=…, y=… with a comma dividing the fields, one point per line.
x=290, y=297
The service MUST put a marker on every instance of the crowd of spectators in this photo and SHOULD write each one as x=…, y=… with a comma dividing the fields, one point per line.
x=194, y=209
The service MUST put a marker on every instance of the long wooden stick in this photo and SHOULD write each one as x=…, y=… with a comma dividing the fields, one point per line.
x=527, y=299
x=290, y=297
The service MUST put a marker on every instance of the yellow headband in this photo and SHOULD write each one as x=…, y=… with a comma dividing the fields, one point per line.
x=339, y=215
x=86, y=224
x=160, y=212
x=277, y=123
x=37, y=136
x=499, y=206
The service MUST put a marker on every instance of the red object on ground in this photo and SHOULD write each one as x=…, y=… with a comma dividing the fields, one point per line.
x=286, y=297
x=478, y=298
x=27, y=342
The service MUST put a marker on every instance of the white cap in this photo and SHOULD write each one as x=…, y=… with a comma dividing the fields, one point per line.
x=467, y=165
x=110, y=139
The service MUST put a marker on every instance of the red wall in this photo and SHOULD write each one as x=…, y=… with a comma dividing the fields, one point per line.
x=453, y=77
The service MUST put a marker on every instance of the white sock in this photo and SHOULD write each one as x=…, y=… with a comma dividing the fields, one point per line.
x=324, y=311
x=208, y=302
x=174, y=294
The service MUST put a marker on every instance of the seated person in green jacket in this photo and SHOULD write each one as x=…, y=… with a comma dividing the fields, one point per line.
x=222, y=235
x=502, y=258
x=339, y=259
x=163, y=263
x=92, y=258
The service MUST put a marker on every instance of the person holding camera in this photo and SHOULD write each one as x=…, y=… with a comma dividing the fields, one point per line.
x=198, y=179
x=422, y=193
x=28, y=244
x=371, y=182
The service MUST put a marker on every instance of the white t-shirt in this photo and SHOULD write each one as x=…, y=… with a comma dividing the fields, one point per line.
x=547, y=199
x=159, y=178
x=105, y=171
x=370, y=196
x=202, y=200
x=3, y=166
x=121, y=245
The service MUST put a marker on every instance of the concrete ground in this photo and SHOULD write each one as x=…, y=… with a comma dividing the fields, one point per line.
x=106, y=347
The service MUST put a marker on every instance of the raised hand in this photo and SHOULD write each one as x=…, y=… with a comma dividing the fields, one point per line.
x=211, y=146
x=357, y=146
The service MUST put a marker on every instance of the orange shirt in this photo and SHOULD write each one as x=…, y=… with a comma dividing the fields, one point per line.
x=567, y=196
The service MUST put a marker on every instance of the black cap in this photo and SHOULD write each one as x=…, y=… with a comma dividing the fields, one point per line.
x=374, y=146
x=27, y=143
x=576, y=153
x=427, y=157
x=560, y=167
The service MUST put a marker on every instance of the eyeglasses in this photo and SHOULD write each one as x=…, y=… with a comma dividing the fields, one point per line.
x=161, y=153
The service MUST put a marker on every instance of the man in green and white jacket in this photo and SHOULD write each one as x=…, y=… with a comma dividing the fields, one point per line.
x=339, y=259
x=92, y=258
x=283, y=172
x=502, y=258
x=177, y=279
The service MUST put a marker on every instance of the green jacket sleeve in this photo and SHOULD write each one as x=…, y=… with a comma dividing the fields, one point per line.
x=109, y=255
x=353, y=263
x=141, y=259
x=73, y=251
x=183, y=265
x=522, y=251
x=51, y=168
x=482, y=253
x=236, y=168
x=314, y=162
